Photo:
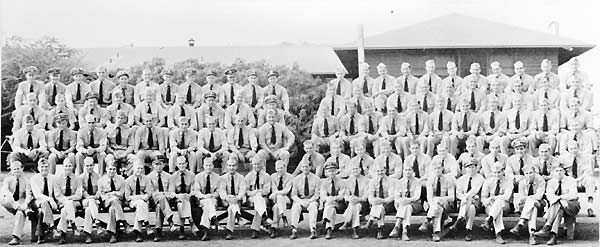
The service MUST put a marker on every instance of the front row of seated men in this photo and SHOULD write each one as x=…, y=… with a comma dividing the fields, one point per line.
x=354, y=190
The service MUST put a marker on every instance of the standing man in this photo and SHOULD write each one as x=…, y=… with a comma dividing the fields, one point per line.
x=453, y=79
x=305, y=195
x=168, y=89
x=189, y=87
x=14, y=197
x=51, y=89
x=432, y=80
x=124, y=87
x=528, y=82
x=29, y=85
x=102, y=86
x=253, y=93
x=497, y=75
x=91, y=142
x=212, y=86
x=476, y=97
x=407, y=80
x=364, y=81
x=482, y=82
x=273, y=88
x=341, y=85
x=145, y=86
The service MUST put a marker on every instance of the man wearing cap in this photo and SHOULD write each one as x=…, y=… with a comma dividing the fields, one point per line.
x=382, y=87
x=561, y=193
x=232, y=191
x=529, y=201
x=118, y=105
x=168, y=89
x=518, y=124
x=241, y=140
x=580, y=166
x=274, y=139
x=440, y=195
x=180, y=186
x=152, y=107
x=349, y=123
x=342, y=86
x=399, y=99
x=364, y=81
x=212, y=86
x=29, y=85
x=391, y=161
x=468, y=191
x=544, y=127
x=544, y=91
x=528, y=82
x=120, y=144
x=496, y=91
x=492, y=124
x=495, y=195
x=417, y=127
x=212, y=142
x=206, y=192
x=124, y=87
x=381, y=199
x=210, y=109
x=355, y=194
x=190, y=87
x=111, y=189
x=43, y=193
x=324, y=128
x=440, y=122
x=182, y=142
x=547, y=75
x=252, y=92
x=61, y=143
x=180, y=109
x=51, y=89
x=271, y=103
x=331, y=196
x=281, y=94
x=15, y=195
x=77, y=90
x=159, y=181
x=68, y=194
x=334, y=101
x=144, y=86
x=407, y=80
x=407, y=200
x=497, y=75
x=29, y=143
x=60, y=108
x=448, y=163
x=430, y=78
x=488, y=161
x=516, y=162
x=453, y=79
x=258, y=184
x=90, y=199
x=482, y=82
x=149, y=140
x=91, y=107
x=305, y=195
x=281, y=185
x=29, y=108
x=425, y=97
x=230, y=88
x=102, y=86
x=239, y=107
x=91, y=142
x=369, y=125
x=362, y=158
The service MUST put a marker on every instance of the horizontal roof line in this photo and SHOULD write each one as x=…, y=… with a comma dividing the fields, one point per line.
x=465, y=46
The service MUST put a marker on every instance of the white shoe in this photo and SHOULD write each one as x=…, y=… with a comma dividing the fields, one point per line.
x=56, y=233
x=149, y=231
x=76, y=232
x=173, y=228
x=100, y=230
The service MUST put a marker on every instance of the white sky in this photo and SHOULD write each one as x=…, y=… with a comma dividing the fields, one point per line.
x=110, y=23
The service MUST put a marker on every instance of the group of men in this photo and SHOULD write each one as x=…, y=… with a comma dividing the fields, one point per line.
x=402, y=144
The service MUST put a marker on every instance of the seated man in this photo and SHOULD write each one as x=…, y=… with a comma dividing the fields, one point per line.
x=275, y=89
x=464, y=124
x=315, y=159
x=68, y=195
x=425, y=96
x=121, y=139
x=270, y=104
x=518, y=124
x=544, y=126
x=369, y=125
x=381, y=199
x=529, y=201
x=516, y=162
x=241, y=140
x=473, y=95
x=42, y=190
x=29, y=143
x=253, y=93
x=391, y=161
x=355, y=194
x=495, y=195
x=124, y=87
x=331, y=99
x=76, y=90
x=239, y=107
x=492, y=124
x=14, y=197
x=91, y=107
x=145, y=85
x=111, y=188
x=232, y=191
x=159, y=180
x=149, y=140
x=587, y=139
x=150, y=107
x=361, y=100
x=180, y=186
x=417, y=127
x=168, y=89
x=488, y=161
x=91, y=142
x=275, y=140
x=180, y=109
x=229, y=87
x=449, y=164
x=399, y=99
x=212, y=143
x=471, y=152
x=30, y=108
x=90, y=199
x=189, y=87
x=468, y=191
x=206, y=191
x=118, y=105
x=362, y=158
x=281, y=186
x=137, y=193
x=440, y=122
x=331, y=196
x=420, y=163
x=561, y=193
x=382, y=87
x=258, y=184
x=60, y=108
x=349, y=123
x=337, y=157
x=363, y=81
x=440, y=196
x=305, y=195
x=324, y=128
x=210, y=109
x=393, y=128
x=407, y=200
x=183, y=141
x=61, y=143
x=545, y=161
x=580, y=166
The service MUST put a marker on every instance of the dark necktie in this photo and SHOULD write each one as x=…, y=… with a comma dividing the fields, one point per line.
x=46, y=192
x=546, y=94
x=207, y=185
x=352, y=125
x=78, y=92
x=338, y=90
x=182, y=185
x=150, y=138
x=188, y=99
x=425, y=103
x=416, y=167
x=360, y=163
x=306, y=189
x=393, y=126
x=280, y=184
x=257, y=181
x=441, y=121
x=68, y=191
x=371, y=127
x=545, y=123
x=545, y=169
x=181, y=111
x=452, y=81
x=449, y=104
x=325, y=127
x=254, y=101
x=417, y=124
x=407, y=188
x=574, y=167
x=241, y=138
x=465, y=124
x=518, y=120
x=118, y=136
x=383, y=86
x=333, y=192
x=406, y=83
x=31, y=87
x=90, y=186
x=521, y=165
x=210, y=111
x=497, y=190
x=138, y=188
x=92, y=111
x=356, y=190
x=530, y=190
x=211, y=142
x=273, y=135
x=399, y=104
x=32, y=113
x=92, y=143
x=469, y=184
x=273, y=91
x=168, y=96
x=358, y=107
x=472, y=101
x=29, y=140
x=123, y=90
x=112, y=185
x=381, y=195
x=430, y=88
x=438, y=187
x=161, y=188
x=60, y=141
x=17, y=193
x=365, y=86
x=387, y=166
x=149, y=109
x=332, y=105
x=101, y=93
x=182, y=141
x=495, y=158
x=559, y=188
x=54, y=92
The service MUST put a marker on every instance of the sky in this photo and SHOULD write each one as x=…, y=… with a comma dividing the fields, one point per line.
x=114, y=23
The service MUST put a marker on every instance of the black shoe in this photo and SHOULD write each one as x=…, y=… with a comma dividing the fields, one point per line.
x=313, y=234
x=468, y=236
x=459, y=224
x=41, y=240
x=487, y=225
x=205, y=235
x=591, y=213
x=229, y=235
x=328, y=234
x=380, y=234
x=516, y=230
x=545, y=232
x=552, y=240
x=254, y=234
x=63, y=238
x=273, y=233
